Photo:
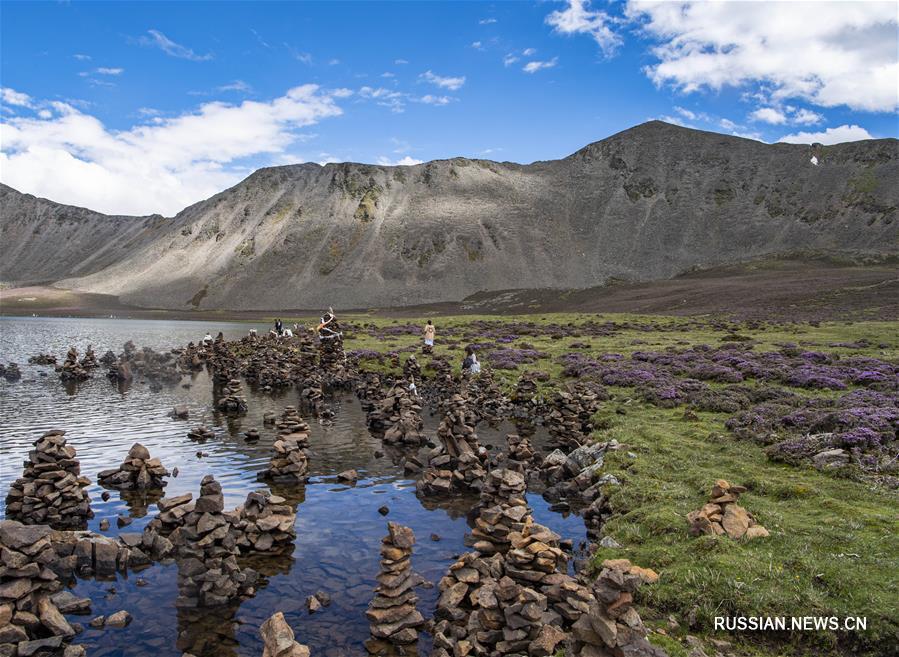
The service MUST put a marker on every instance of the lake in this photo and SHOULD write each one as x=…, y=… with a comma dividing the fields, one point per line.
x=339, y=528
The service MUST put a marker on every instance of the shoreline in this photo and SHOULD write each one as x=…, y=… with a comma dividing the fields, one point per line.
x=779, y=290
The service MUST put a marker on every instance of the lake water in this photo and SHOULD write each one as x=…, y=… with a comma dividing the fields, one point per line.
x=339, y=528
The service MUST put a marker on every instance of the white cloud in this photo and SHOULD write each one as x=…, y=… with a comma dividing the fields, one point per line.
x=400, y=62
x=529, y=52
x=828, y=53
x=533, y=67
x=72, y=157
x=836, y=135
x=727, y=124
x=105, y=70
x=806, y=117
x=169, y=47
x=81, y=57
x=509, y=59
x=486, y=21
x=394, y=100
x=451, y=83
x=477, y=45
x=13, y=97
x=402, y=162
x=388, y=74
x=768, y=115
x=238, y=85
x=687, y=114
x=429, y=99
x=341, y=92
x=578, y=18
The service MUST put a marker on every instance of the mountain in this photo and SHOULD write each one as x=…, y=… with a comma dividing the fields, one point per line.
x=648, y=203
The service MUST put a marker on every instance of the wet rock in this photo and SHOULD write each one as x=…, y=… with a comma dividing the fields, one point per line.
x=278, y=639
x=265, y=524
x=118, y=619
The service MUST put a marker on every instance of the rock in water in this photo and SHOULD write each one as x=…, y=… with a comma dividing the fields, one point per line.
x=278, y=638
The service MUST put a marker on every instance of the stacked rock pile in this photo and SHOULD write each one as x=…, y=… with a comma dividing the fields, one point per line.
x=518, y=455
x=486, y=396
x=289, y=462
x=455, y=464
x=89, y=360
x=278, y=639
x=137, y=472
x=201, y=433
x=569, y=422
x=231, y=400
x=50, y=490
x=525, y=393
x=611, y=625
x=71, y=369
x=394, y=620
x=396, y=417
x=42, y=359
x=11, y=372
x=265, y=523
x=722, y=515
x=412, y=370
x=30, y=621
x=172, y=511
x=502, y=511
x=534, y=554
x=442, y=386
x=368, y=390
x=206, y=548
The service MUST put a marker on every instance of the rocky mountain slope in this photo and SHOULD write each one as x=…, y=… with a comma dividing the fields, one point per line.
x=645, y=204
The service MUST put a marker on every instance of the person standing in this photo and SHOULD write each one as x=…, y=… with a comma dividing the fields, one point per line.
x=429, y=333
x=279, y=326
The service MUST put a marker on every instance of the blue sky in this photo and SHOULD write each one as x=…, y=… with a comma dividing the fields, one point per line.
x=145, y=107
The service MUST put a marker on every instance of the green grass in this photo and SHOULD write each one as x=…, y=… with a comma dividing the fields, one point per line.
x=833, y=549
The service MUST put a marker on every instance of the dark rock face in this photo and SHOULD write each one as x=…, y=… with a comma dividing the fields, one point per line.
x=645, y=204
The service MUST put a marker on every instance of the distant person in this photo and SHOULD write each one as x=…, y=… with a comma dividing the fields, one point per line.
x=279, y=327
x=429, y=333
x=470, y=365
x=207, y=339
x=325, y=329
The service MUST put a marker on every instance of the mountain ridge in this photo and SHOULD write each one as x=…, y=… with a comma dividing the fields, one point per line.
x=647, y=203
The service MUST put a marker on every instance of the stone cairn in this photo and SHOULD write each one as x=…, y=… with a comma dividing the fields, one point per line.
x=11, y=372
x=265, y=523
x=455, y=464
x=201, y=433
x=395, y=622
x=71, y=369
x=42, y=359
x=518, y=455
x=232, y=401
x=396, y=417
x=412, y=370
x=278, y=639
x=137, y=472
x=368, y=390
x=502, y=510
x=206, y=548
x=487, y=397
x=289, y=462
x=172, y=511
x=525, y=393
x=30, y=620
x=611, y=625
x=569, y=422
x=50, y=490
x=89, y=360
x=722, y=515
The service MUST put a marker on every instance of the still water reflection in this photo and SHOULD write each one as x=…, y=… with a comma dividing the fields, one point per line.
x=338, y=527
